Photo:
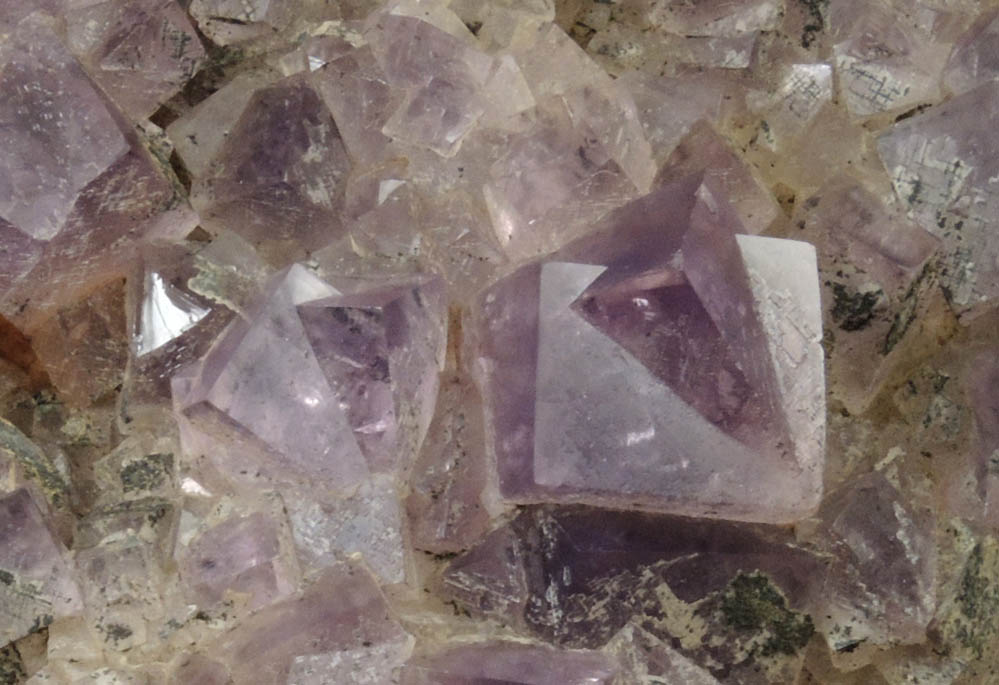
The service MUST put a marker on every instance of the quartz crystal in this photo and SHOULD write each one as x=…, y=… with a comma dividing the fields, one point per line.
x=527, y=342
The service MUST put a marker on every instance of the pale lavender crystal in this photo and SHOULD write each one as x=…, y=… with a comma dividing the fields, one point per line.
x=234, y=21
x=943, y=164
x=551, y=184
x=356, y=91
x=241, y=554
x=871, y=260
x=342, y=610
x=122, y=582
x=975, y=59
x=705, y=395
x=381, y=349
x=883, y=64
x=555, y=66
x=356, y=396
x=277, y=178
x=169, y=326
x=442, y=73
x=76, y=186
x=704, y=150
x=722, y=52
x=57, y=133
x=665, y=126
x=715, y=17
x=793, y=103
x=251, y=379
x=880, y=586
x=200, y=134
x=511, y=663
x=140, y=52
x=38, y=585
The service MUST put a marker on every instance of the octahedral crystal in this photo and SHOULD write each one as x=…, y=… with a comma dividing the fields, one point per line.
x=706, y=378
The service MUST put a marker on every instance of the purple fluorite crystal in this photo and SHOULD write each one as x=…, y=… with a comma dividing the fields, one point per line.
x=689, y=403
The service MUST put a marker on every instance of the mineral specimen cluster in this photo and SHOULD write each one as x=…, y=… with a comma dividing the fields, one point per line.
x=528, y=342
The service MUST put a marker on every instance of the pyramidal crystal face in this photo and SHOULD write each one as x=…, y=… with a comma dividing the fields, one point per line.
x=328, y=386
x=703, y=390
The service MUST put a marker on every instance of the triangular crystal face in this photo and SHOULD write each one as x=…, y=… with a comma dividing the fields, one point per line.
x=264, y=376
x=708, y=350
x=351, y=348
x=658, y=317
x=166, y=313
x=378, y=350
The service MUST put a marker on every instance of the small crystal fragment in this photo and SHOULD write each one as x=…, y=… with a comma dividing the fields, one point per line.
x=511, y=663
x=37, y=584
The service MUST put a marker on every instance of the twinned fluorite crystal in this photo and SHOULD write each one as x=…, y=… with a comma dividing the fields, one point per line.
x=508, y=342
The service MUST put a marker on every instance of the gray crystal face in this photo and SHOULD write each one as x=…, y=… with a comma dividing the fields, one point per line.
x=703, y=390
x=943, y=165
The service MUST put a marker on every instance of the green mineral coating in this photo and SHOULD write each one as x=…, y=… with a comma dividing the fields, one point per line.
x=752, y=603
x=6, y=577
x=816, y=11
x=11, y=666
x=41, y=622
x=906, y=313
x=35, y=462
x=978, y=602
x=117, y=632
x=146, y=474
x=853, y=311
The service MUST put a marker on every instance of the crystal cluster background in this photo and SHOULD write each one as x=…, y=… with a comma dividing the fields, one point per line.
x=545, y=342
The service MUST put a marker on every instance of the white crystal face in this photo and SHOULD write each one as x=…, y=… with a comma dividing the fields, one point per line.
x=166, y=313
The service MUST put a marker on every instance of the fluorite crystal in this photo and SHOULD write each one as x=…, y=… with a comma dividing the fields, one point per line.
x=37, y=581
x=539, y=342
x=942, y=164
x=705, y=392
